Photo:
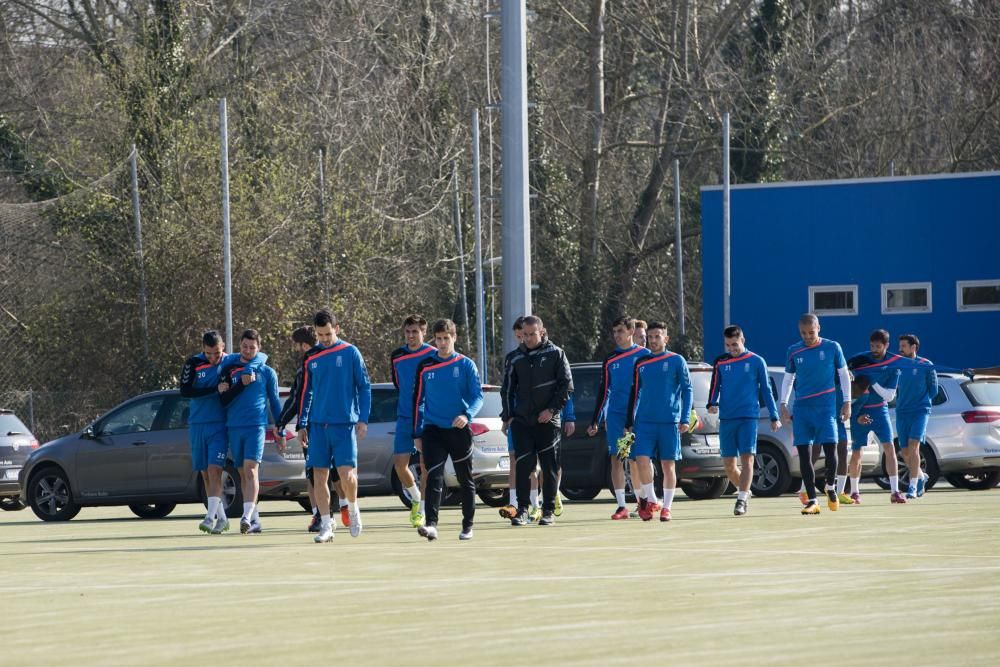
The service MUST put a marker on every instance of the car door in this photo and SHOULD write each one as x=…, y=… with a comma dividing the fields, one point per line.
x=375, y=451
x=168, y=454
x=112, y=463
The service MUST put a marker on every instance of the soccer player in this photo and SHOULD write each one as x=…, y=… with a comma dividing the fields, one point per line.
x=249, y=390
x=404, y=361
x=659, y=411
x=918, y=385
x=739, y=384
x=639, y=333
x=876, y=377
x=509, y=511
x=333, y=417
x=811, y=367
x=447, y=395
x=207, y=426
x=534, y=393
x=612, y=403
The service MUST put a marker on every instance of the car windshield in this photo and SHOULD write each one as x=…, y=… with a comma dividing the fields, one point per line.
x=11, y=424
x=701, y=382
x=983, y=392
x=492, y=405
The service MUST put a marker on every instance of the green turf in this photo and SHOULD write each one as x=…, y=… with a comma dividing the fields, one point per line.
x=916, y=584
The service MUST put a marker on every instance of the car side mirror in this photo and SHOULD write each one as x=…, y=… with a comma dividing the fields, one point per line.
x=90, y=433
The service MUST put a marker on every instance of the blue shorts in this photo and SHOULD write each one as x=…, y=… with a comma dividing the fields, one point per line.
x=880, y=426
x=911, y=426
x=247, y=443
x=614, y=426
x=841, y=431
x=402, y=442
x=332, y=445
x=737, y=437
x=208, y=445
x=657, y=441
x=510, y=440
x=814, y=425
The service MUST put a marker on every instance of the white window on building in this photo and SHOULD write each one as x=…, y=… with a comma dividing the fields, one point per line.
x=906, y=298
x=833, y=299
x=978, y=295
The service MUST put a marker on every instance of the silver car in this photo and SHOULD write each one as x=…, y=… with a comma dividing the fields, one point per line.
x=16, y=442
x=138, y=455
x=490, y=461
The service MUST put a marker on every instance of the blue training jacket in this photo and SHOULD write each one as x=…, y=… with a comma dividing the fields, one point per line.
x=740, y=385
x=815, y=368
x=616, y=382
x=199, y=382
x=404, y=373
x=445, y=389
x=661, y=390
x=918, y=385
x=247, y=405
x=335, y=387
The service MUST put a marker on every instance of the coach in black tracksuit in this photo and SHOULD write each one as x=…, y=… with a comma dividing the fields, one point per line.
x=536, y=385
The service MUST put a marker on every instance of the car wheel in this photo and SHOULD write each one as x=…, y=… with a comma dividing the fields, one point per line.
x=708, y=488
x=12, y=504
x=152, y=510
x=50, y=497
x=581, y=493
x=771, y=476
x=974, y=481
x=232, y=492
x=494, y=497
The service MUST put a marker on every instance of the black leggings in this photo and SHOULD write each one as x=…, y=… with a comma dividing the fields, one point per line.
x=809, y=473
x=438, y=445
x=537, y=443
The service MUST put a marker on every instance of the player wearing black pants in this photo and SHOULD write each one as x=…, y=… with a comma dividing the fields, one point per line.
x=535, y=389
x=438, y=444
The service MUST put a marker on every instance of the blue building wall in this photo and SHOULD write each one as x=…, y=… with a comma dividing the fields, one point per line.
x=788, y=236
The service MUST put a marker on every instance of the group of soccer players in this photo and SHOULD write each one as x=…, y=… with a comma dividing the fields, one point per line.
x=645, y=402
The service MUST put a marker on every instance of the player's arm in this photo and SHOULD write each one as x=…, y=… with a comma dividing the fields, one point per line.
x=419, y=399
x=764, y=389
x=291, y=406
x=932, y=384
x=507, y=389
x=188, y=377
x=687, y=395
x=787, y=383
x=715, y=388
x=363, y=389
x=633, y=398
x=235, y=388
x=392, y=365
x=845, y=381
x=472, y=394
x=564, y=384
x=602, y=396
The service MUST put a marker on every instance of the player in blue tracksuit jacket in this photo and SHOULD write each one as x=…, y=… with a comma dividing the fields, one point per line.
x=405, y=360
x=811, y=368
x=207, y=426
x=918, y=386
x=612, y=402
x=659, y=410
x=739, y=387
x=333, y=417
x=250, y=391
x=446, y=397
x=876, y=375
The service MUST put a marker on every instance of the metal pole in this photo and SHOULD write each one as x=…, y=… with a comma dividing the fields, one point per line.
x=226, y=255
x=31, y=410
x=892, y=168
x=678, y=248
x=477, y=208
x=134, y=160
x=726, y=291
x=514, y=143
x=324, y=275
x=456, y=215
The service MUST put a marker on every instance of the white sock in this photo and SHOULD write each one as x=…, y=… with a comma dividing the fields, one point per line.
x=741, y=495
x=220, y=511
x=620, y=497
x=256, y=514
x=315, y=510
x=414, y=492
x=640, y=491
x=894, y=483
x=802, y=487
x=325, y=522
x=422, y=506
x=668, y=497
x=247, y=510
x=533, y=497
x=856, y=485
x=353, y=507
x=213, y=507
x=841, y=483
x=343, y=502
x=513, y=497
x=648, y=493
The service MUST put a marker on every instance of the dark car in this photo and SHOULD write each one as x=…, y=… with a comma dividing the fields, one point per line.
x=138, y=455
x=585, y=464
x=16, y=442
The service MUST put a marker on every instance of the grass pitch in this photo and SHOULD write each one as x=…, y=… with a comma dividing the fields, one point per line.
x=874, y=584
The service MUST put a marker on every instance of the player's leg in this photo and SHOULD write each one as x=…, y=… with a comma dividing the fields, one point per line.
x=510, y=510
x=459, y=444
x=434, y=453
x=526, y=454
x=345, y=454
x=669, y=449
x=321, y=477
x=199, y=463
x=534, y=500
x=729, y=449
x=615, y=428
x=746, y=443
x=550, y=437
x=402, y=452
x=842, y=464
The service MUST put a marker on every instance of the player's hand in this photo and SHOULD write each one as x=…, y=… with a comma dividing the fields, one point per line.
x=684, y=427
x=303, y=437
x=785, y=414
x=865, y=420
x=845, y=412
x=545, y=416
x=279, y=440
x=418, y=444
x=248, y=378
x=361, y=430
x=223, y=387
x=569, y=428
x=775, y=426
x=460, y=421
x=592, y=430
x=713, y=409
x=505, y=428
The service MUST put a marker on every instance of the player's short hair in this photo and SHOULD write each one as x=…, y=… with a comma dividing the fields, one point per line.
x=417, y=320
x=305, y=335
x=809, y=318
x=251, y=334
x=211, y=338
x=655, y=324
x=624, y=321
x=518, y=324
x=641, y=324
x=911, y=339
x=324, y=318
x=532, y=320
x=444, y=326
x=879, y=336
x=732, y=331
